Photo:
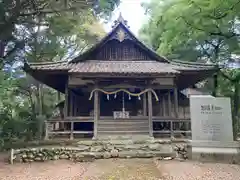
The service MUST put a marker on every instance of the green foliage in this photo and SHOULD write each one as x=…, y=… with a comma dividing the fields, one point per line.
x=198, y=30
x=180, y=28
x=16, y=17
x=15, y=115
x=37, y=31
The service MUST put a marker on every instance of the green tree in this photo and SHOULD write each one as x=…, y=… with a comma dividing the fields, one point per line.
x=197, y=30
x=16, y=15
x=36, y=33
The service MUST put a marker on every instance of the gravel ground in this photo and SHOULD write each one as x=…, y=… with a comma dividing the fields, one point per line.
x=119, y=169
x=53, y=170
x=175, y=170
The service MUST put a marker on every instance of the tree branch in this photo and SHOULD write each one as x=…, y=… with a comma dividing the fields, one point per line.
x=233, y=80
x=18, y=45
x=224, y=14
x=51, y=11
x=226, y=35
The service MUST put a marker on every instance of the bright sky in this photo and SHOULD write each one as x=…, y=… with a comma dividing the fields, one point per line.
x=132, y=12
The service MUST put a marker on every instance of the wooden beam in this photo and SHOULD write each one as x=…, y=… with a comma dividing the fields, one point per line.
x=74, y=132
x=74, y=81
x=121, y=75
x=164, y=81
x=138, y=86
x=150, y=113
x=176, y=102
x=144, y=104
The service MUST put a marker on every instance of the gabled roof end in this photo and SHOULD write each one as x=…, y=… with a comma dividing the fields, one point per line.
x=120, y=20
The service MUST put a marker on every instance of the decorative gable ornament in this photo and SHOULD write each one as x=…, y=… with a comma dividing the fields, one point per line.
x=120, y=35
x=120, y=20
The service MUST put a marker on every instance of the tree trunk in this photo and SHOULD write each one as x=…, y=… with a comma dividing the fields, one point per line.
x=235, y=117
x=2, y=49
x=40, y=118
x=215, y=84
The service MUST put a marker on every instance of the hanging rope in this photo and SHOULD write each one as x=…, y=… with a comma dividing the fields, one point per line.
x=126, y=91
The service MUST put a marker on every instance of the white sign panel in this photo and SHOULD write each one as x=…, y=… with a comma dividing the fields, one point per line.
x=121, y=115
x=211, y=118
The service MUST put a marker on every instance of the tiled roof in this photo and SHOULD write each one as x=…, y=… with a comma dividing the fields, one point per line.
x=125, y=67
x=193, y=91
x=184, y=65
x=60, y=65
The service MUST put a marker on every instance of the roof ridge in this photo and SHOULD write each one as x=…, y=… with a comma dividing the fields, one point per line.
x=48, y=63
x=191, y=63
x=120, y=61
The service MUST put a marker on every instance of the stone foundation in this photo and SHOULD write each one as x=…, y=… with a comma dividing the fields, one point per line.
x=228, y=152
x=90, y=150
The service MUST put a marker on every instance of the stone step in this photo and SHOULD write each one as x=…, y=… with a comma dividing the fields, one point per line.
x=123, y=128
x=121, y=125
x=123, y=122
x=142, y=132
x=125, y=139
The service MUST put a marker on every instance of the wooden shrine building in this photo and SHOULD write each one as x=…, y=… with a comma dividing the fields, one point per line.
x=119, y=86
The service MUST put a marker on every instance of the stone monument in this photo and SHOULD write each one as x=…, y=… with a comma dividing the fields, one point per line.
x=212, y=132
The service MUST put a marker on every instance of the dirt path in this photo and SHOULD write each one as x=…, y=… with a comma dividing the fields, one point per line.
x=175, y=170
x=119, y=169
x=111, y=169
x=123, y=169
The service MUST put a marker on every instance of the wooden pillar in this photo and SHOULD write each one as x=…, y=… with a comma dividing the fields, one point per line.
x=75, y=105
x=176, y=102
x=96, y=112
x=150, y=113
x=65, y=106
x=71, y=104
x=71, y=113
x=163, y=106
x=169, y=104
x=71, y=131
x=171, y=129
x=46, y=131
x=66, y=101
x=58, y=96
x=144, y=104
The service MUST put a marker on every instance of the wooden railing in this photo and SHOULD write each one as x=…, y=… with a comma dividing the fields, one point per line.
x=51, y=130
x=172, y=126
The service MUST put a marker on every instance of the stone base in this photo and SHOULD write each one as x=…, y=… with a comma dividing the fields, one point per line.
x=215, y=151
x=89, y=150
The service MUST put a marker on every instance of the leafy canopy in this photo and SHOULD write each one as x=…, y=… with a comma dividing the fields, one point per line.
x=193, y=29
